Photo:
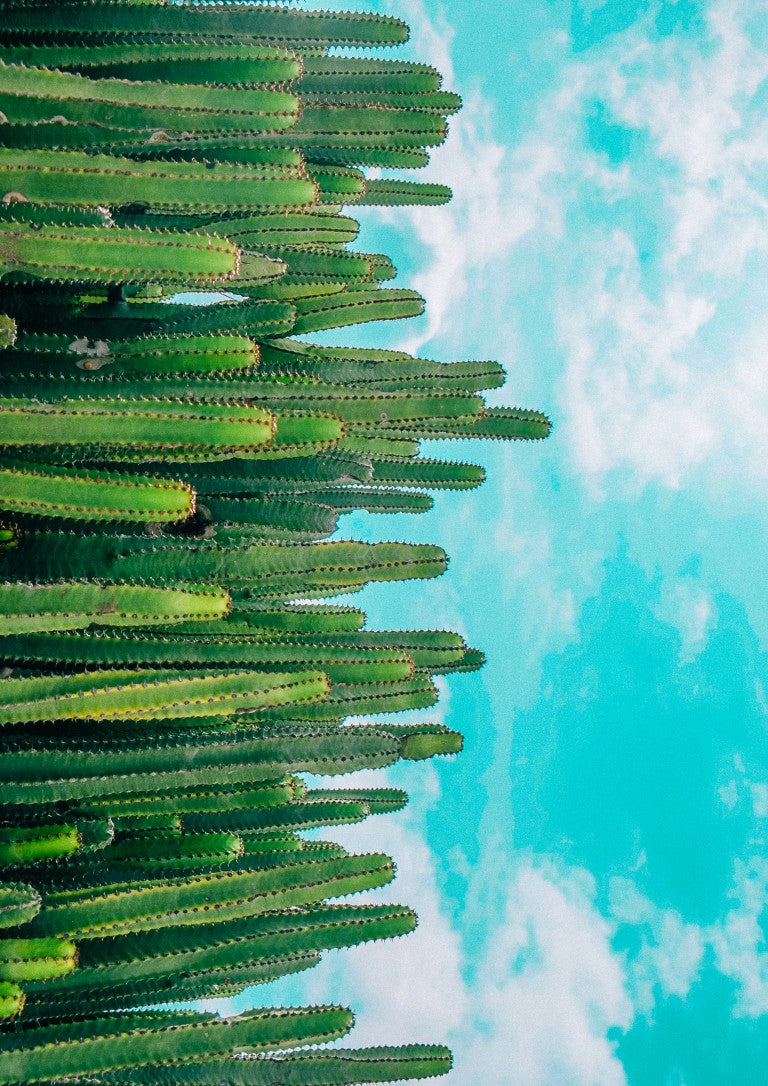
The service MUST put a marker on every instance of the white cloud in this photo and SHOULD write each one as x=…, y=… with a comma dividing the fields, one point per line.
x=671, y=951
x=739, y=942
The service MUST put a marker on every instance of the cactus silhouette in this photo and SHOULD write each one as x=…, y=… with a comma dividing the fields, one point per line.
x=170, y=476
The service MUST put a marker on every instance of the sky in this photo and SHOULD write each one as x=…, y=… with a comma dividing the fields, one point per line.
x=591, y=872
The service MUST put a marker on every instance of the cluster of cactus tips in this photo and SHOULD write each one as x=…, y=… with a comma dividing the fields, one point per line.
x=171, y=477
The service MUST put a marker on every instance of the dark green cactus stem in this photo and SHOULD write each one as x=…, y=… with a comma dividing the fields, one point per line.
x=340, y=1067
x=7, y=331
x=44, y=772
x=392, y=193
x=97, y=912
x=200, y=800
x=342, y=664
x=432, y=474
x=403, y=158
x=306, y=814
x=501, y=423
x=149, y=354
x=107, y=21
x=265, y=570
x=361, y=126
x=19, y=904
x=51, y=1004
x=24, y=960
x=337, y=74
x=96, y=254
x=80, y=494
x=362, y=699
x=159, y=854
x=255, y=231
x=150, y=695
x=27, y=608
x=441, y=103
x=11, y=1000
x=180, y=62
x=103, y=320
x=355, y=307
x=378, y=800
x=153, y=962
x=71, y=177
x=128, y=1041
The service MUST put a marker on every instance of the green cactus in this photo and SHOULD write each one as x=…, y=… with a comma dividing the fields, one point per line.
x=105, y=21
x=150, y=147
x=125, y=1041
x=54, y=177
x=340, y=1067
x=28, y=608
x=150, y=695
x=178, y=61
x=41, y=771
x=80, y=494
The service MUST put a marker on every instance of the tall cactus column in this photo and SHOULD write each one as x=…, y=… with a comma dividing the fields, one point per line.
x=171, y=476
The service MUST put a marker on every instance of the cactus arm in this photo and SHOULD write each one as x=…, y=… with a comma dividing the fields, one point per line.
x=181, y=62
x=387, y=192
x=338, y=74
x=43, y=774
x=107, y=1044
x=116, y=695
x=199, y=899
x=365, y=304
x=28, y=608
x=71, y=177
x=264, y=569
x=76, y=494
x=35, y=95
x=108, y=21
x=342, y=1067
x=24, y=960
x=99, y=255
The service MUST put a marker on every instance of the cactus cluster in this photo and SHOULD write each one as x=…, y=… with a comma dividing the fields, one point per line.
x=171, y=475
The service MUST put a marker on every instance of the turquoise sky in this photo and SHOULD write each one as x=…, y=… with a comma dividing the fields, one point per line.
x=591, y=873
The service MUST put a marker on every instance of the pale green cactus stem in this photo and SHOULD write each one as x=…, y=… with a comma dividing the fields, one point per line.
x=134, y=1040
x=96, y=254
x=72, y=177
x=79, y=494
x=28, y=608
x=7, y=331
x=24, y=960
x=11, y=1000
x=141, y=427
x=106, y=21
x=179, y=61
x=31, y=844
x=33, y=95
x=151, y=695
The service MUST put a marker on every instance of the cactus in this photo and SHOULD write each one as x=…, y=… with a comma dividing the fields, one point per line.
x=150, y=147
